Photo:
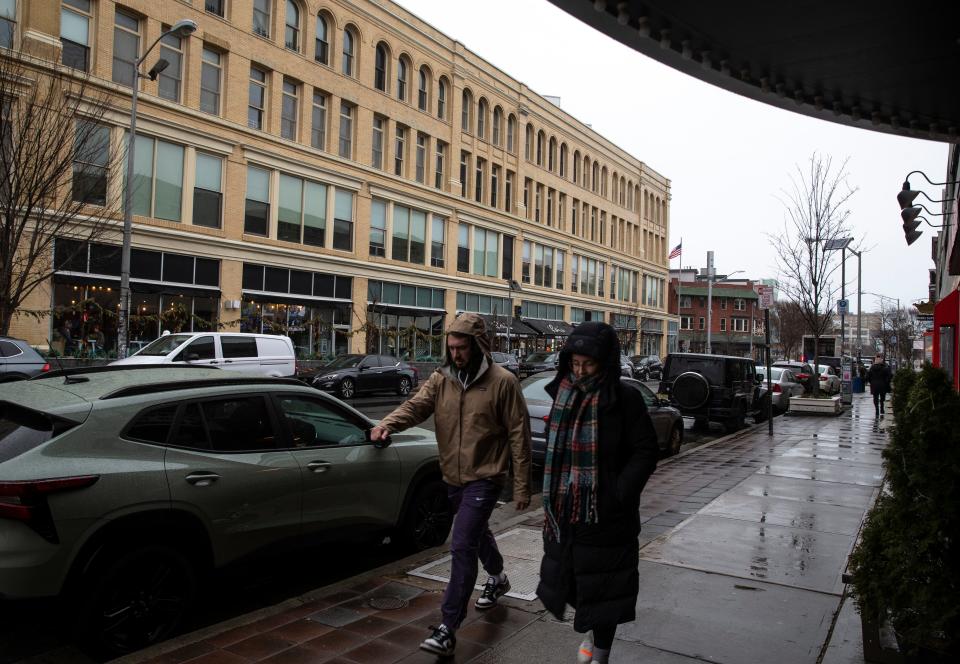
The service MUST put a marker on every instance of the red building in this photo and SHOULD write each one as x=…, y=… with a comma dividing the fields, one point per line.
x=734, y=315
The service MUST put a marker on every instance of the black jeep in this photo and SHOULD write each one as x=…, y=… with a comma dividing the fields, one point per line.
x=718, y=388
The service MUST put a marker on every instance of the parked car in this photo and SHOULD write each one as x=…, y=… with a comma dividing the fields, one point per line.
x=785, y=385
x=123, y=487
x=666, y=420
x=508, y=361
x=626, y=366
x=717, y=388
x=647, y=367
x=350, y=375
x=267, y=354
x=536, y=362
x=829, y=380
x=802, y=371
x=18, y=360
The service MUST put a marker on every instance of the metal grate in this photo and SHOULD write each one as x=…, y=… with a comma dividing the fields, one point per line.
x=387, y=603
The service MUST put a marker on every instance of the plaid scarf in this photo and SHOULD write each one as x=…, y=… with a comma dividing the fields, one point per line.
x=570, y=470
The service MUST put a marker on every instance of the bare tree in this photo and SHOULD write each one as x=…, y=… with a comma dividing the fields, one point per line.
x=816, y=213
x=55, y=161
x=786, y=319
x=898, y=328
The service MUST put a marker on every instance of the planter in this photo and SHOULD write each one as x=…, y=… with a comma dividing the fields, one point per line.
x=830, y=406
x=879, y=642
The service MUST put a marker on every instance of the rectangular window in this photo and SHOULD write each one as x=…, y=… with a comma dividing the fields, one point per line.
x=506, y=269
x=126, y=46
x=418, y=237
x=157, y=178
x=574, y=273
x=75, y=17
x=314, y=213
x=538, y=265
x=525, y=261
x=437, y=241
x=478, y=180
x=701, y=323
x=343, y=221
x=494, y=184
x=600, y=269
x=723, y=302
x=91, y=152
x=171, y=50
x=686, y=322
x=538, y=204
x=573, y=217
x=548, y=267
x=401, y=233
x=208, y=191
x=399, y=147
x=508, y=192
x=723, y=324
x=561, y=256
x=378, y=227
x=685, y=302
x=441, y=157
x=261, y=17
x=256, y=218
x=211, y=71
x=318, y=128
x=257, y=98
x=215, y=6
x=421, y=164
x=739, y=324
x=376, y=143
x=290, y=208
x=463, y=248
x=526, y=197
x=288, y=109
x=464, y=172
x=740, y=304
x=550, y=207
x=346, y=130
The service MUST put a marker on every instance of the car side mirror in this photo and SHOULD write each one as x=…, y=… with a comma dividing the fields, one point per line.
x=760, y=377
x=362, y=367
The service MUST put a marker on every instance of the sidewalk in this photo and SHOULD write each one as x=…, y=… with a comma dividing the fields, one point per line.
x=743, y=546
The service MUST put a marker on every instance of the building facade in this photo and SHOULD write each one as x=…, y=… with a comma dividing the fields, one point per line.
x=733, y=314
x=345, y=174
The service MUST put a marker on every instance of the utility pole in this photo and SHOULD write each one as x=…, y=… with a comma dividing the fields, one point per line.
x=710, y=272
x=843, y=296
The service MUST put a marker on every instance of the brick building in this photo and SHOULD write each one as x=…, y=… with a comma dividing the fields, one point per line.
x=344, y=173
x=734, y=315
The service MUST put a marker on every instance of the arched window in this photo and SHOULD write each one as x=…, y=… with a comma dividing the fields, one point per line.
x=380, y=68
x=292, y=33
x=482, y=118
x=657, y=218
x=563, y=160
x=402, y=72
x=576, y=167
x=349, y=52
x=442, y=98
x=466, y=107
x=512, y=133
x=552, y=154
x=595, y=176
x=623, y=187
x=540, y=139
x=615, y=184
x=603, y=182
x=322, y=52
x=586, y=172
x=528, y=143
x=635, y=203
x=423, y=89
x=497, y=136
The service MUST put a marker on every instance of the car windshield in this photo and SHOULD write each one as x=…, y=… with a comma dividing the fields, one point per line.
x=345, y=362
x=538, y=357
x=710, y=368
x=164, y=345
x=535, y=387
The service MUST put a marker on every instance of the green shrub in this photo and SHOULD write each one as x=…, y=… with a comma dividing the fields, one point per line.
x=907, y=563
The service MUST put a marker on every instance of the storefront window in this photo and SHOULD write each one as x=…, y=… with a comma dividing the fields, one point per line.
x=317, y=332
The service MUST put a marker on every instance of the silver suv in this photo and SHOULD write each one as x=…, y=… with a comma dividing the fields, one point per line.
x=121, y=486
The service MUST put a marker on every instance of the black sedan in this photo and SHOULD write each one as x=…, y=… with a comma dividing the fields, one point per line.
x=508, y=361
x=647, y=367
x=349, y=375
x=666, y=419
x=536, y=362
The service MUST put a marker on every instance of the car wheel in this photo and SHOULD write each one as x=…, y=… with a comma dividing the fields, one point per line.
x=691, y=390
x=403, y=389
x=138, y=598
x=428, y=518
x=347, y=388
x=676, y=439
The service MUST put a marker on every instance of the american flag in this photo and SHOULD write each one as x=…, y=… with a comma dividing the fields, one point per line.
x=677, y=250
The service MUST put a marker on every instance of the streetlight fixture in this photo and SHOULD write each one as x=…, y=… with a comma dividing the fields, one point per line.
x=910, y=211
x=183, y=28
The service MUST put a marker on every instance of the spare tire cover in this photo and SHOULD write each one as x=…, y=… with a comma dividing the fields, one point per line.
x=691, y=390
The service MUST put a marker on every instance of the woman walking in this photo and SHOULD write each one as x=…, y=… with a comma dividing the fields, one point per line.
x=601, y=448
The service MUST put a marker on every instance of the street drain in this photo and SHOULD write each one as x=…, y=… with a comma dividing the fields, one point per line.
x=387, y=603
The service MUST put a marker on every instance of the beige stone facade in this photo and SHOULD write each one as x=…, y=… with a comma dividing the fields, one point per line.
x=348, y=177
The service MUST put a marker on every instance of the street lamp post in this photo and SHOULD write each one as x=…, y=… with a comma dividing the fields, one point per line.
x=183, y=28
x=512, y=286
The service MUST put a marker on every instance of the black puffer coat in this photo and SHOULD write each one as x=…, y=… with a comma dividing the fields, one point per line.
x=594, y=566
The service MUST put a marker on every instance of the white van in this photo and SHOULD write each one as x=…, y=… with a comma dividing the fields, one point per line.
x=267, y=354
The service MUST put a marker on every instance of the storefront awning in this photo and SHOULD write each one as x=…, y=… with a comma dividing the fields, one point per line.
x=507, y=326
x=549, y=328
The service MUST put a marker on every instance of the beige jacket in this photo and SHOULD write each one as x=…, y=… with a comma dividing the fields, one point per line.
x=480, y=426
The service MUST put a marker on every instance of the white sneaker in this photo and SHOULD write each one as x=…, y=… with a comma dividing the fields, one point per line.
x=585, y=653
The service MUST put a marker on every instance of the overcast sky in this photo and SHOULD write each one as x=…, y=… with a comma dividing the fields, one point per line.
x=729, y=158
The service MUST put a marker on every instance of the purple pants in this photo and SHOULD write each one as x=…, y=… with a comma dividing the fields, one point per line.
x=472, y=505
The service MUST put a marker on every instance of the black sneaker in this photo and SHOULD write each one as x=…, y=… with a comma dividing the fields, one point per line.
x=440, y=642
x=492, y=591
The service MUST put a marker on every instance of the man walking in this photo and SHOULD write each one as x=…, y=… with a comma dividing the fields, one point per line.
x=481, y=422
x=879, y=376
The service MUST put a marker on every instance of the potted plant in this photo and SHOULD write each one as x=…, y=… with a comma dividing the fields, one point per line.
x=906, y=566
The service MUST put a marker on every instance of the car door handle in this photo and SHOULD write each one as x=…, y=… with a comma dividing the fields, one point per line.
x=202, y=479
x=319, y=466
x=228, y=361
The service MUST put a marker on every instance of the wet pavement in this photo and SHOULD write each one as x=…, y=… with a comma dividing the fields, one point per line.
x=744, y=543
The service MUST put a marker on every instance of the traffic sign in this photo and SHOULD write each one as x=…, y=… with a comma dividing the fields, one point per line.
x=843, y=307
x=766, y=296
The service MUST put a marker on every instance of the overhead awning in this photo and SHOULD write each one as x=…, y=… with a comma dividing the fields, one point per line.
x=549, y=328
x=507, y=326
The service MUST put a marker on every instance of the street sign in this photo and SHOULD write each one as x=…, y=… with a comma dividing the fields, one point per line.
x=766, y=296
x=843, y=307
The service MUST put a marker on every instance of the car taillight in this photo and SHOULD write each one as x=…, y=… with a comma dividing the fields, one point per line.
x=546, y=419
x=803, y=376
x=27, y=501
x=45, y=368
x=776, y=387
